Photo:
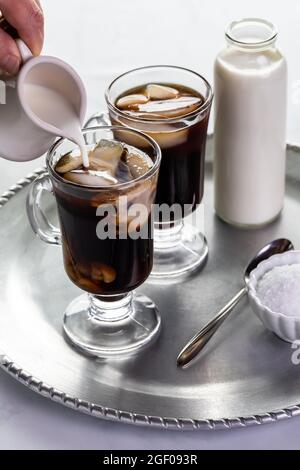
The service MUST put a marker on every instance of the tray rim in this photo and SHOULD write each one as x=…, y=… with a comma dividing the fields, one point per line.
x=33, y=383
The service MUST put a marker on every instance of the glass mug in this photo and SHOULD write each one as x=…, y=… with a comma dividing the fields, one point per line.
x=109, y=319
x=179, y=247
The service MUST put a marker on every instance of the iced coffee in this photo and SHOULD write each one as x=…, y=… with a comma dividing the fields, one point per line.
x=172, y=105
x=120, y=258
x=105, y=204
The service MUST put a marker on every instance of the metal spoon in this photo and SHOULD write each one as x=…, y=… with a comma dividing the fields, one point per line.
x=197, y=343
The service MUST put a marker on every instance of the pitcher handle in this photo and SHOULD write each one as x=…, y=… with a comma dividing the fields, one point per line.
x=24, y=50
x=98, y=119
x=39, y=222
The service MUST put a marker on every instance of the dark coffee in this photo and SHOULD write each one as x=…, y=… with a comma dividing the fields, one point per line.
x=108, y=266
x=160, y=111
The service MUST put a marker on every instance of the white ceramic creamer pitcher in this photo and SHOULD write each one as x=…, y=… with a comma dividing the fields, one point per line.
x=24, y=134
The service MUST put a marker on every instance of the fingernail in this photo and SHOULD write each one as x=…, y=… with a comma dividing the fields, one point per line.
x=11, y=64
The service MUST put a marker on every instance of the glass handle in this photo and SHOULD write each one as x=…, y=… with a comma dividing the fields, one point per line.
x=98, y=119
x=39, y=222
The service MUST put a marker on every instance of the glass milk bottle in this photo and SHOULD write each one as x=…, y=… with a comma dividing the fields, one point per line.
x=250, y=125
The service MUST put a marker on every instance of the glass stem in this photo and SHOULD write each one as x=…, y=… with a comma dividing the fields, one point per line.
x=166, y=238
x=116, y=308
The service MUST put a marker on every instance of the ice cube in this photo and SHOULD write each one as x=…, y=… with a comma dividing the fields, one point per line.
x=137, y=164
x=161, y=92
x=68, y=163
x=88, y=178
x=169, y=108
x=131, y=101
x=106, y=156
x=103, y=272
x=123, y=173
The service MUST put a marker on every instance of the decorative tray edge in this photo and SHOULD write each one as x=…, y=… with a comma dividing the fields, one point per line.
x=111, y=414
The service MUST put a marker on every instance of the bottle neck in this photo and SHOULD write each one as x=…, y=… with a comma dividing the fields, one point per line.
x=251, y=34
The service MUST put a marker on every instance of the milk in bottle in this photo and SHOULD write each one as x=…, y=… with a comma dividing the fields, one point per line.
x=250, y=125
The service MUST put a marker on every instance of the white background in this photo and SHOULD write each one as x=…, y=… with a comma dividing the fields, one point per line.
x=101, y=39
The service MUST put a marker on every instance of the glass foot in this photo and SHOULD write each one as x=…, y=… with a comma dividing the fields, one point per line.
x=178, y=252
x=108, y=329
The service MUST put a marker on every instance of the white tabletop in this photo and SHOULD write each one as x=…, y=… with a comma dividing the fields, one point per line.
x=101, y=40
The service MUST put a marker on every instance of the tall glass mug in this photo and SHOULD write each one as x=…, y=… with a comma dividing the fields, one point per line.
x=179, y=247
x=106, y=260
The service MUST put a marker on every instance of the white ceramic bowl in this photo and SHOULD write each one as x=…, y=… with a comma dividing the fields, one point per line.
x=287, y=328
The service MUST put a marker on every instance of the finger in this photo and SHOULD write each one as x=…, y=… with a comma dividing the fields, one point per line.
x=10, y=59
x=27, y=17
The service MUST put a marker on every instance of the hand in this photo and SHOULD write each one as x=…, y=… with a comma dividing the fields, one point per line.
x=26, y=16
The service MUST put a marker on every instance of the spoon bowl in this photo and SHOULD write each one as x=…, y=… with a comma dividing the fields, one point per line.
x=197, y=343
x=276, y=247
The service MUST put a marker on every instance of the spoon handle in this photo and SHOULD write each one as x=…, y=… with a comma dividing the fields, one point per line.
x=197, y=343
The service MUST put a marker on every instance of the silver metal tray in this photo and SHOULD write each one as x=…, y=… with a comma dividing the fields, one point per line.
x=244, y=377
